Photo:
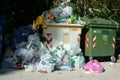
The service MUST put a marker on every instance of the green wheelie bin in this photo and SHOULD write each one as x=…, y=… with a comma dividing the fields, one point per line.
x=99, y=37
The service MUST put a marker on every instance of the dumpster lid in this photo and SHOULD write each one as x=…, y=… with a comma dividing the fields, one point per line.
x=99, y=22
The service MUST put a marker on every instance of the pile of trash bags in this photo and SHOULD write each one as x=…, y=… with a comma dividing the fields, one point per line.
x=62, y=14
x=34, y=56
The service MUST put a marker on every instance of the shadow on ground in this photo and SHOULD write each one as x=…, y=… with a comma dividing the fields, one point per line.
x=7, y=70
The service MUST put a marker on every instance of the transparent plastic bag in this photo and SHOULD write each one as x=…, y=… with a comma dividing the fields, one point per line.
x=33, y=37
x=61, y=13
x=46, y=64
x=79, y=61
x=36, y=47
x=75, y=49
x=59, y=51
x=22, y=54
x=67, y=12
x=94, y=66
x=57, y=11
x=67, y=63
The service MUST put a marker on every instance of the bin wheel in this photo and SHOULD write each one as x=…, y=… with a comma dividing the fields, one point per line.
x=113, y=59
x=90, y=58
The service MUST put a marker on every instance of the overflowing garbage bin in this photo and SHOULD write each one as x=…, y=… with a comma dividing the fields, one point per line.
x=99, y=36
x=67, y=34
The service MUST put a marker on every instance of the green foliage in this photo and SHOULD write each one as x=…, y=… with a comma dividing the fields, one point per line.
x=108, y=9
x=21, y=12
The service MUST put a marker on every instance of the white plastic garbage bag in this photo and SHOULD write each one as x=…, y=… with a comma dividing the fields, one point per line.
x=46, y=64
x=59, y=51
x=36, y=47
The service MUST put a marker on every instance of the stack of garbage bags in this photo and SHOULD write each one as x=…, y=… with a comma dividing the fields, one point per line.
x=62, y=14
x=34, y=56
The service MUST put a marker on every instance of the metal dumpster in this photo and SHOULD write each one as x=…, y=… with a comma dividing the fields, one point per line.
x=99, y=37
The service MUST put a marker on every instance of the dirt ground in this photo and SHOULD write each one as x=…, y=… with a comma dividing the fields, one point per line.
x=112, y=72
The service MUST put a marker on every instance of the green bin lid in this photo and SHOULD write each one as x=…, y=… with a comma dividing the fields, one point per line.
x=99, y=22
